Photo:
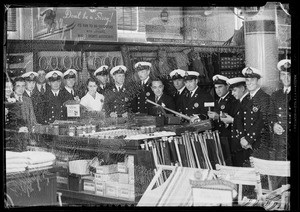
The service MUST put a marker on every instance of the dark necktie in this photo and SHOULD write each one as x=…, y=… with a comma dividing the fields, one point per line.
x=156, y=99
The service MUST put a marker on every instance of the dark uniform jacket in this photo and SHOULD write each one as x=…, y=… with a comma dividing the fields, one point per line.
x=143, y=92
x=117, y=101
x=38, y=104
x=280, y=110
x=54, y=108
x=66, y=96
x=37, y=90
x=179, y=99
x=164, y=100
x=255, y=122
x=104, y=89
x=38, y=100
x=195, y=104
x=227, y=105
x=238, y=122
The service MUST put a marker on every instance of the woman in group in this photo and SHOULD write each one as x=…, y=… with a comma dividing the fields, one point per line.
x=92, y=101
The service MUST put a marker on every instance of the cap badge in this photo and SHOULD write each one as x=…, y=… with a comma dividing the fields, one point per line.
x=216, y=78
x=196, y=105
x=54, y=75
x=31, y=76
x=120, y=69
x=104, y=69
x=255, y=109
x=249, y=71
x=71, y=73
x=186, y=74
x=287, y=65
x=222, y=107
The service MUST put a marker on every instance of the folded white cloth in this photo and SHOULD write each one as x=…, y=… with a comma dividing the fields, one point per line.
x=15, y=165
x=35, y=157
x=15, y=170
x=16, y=160
x=10, y=155
x=40, y=168
x=39, y=165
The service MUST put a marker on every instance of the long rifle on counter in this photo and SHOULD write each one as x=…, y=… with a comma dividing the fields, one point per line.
x=170, y=110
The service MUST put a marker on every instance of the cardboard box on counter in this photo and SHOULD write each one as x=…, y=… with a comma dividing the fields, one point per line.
x=89, y=184
x=126, y=192
x=107, y=169
x=114, y=177
x=123, y=178
x=111, y=189
x=100, y=187
x=122, y=168
x=62, y=182
x=75, y=182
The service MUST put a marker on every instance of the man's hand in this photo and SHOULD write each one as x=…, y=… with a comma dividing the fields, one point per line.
x=227, y=120
x=23, y=129
x=125, y=115
x=278, y=129
x=213, y=115
x=113, y=115
x=195, y=119
x=77, y=99
x=243, y=142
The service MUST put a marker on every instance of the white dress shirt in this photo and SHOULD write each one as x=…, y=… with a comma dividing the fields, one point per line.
x=287, y=89
x=70, y=90
x=193, y=91
x=181, y=89
x=39, y=86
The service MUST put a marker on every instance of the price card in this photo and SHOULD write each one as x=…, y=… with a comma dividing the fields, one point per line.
x=73, y=110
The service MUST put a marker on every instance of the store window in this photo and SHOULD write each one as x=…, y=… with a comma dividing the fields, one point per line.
x=12, y=19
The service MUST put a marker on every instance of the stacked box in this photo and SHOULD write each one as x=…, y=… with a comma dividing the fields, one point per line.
x=121, y=167
x=126, y=192
x=124, y=178
x=75, y=182
x=100, y=187
x=89, y=184
x=107, y=169
x=62, y=177
x=113, y=177
x=111, y=189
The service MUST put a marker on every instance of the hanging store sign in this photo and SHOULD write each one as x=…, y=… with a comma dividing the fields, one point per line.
x=76, y=24
x=163, y=24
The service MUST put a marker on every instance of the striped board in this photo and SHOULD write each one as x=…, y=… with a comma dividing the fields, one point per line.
x=176, y=190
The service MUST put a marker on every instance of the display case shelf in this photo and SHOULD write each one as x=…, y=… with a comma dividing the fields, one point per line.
x=92, y=198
